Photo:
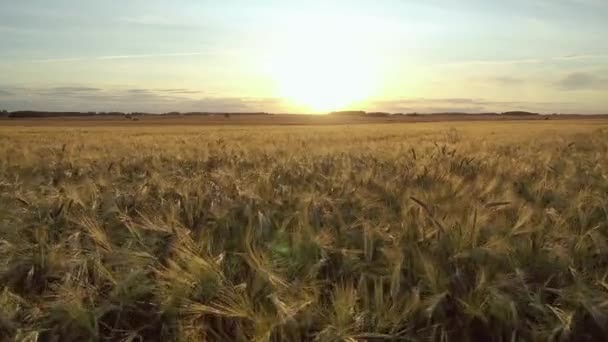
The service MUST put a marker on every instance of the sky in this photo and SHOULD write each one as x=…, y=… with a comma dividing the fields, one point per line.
x=284, y=56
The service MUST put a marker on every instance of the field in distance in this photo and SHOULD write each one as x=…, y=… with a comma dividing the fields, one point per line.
x=455, y=231
x=356, y=117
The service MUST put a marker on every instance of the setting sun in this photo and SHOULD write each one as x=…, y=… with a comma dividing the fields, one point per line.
x=322, y=70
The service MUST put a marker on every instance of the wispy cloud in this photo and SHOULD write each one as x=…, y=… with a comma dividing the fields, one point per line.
x=571, y=57
x=115, y=57
x=468, y=105
x=139, y=91
x=180, y=91
x=497, y=80
x=86, y=98
x=75, y=89
x=507, y=80
x=157, y=22
x=582, y=81
x=82, y=98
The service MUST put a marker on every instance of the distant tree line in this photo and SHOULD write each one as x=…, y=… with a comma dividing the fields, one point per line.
x=519, y=113
x=36, y=114
x=42, y=114
x=134, y=115
x=349, y=113
x=130, y=116
x=383, y=114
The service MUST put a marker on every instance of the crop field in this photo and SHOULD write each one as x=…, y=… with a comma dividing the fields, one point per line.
x=461, y=231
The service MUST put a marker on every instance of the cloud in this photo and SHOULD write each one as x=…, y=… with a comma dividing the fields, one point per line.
x=91, y=93
x=429, y=105
x=61, y=91
x=180, y=91
x=497, y=80
x=176, y=92
x=468, y=105
x=231, y=104
x=457, y=101
x=75, y=89
x=506, y=80
x=582, y=81
x=156, y=22
x=139, y=91
x=153, y=55
x=83, y=98
x=583, y=56
x=496, y=62
x=598, y=3
x=119, y=57
x=76, y=98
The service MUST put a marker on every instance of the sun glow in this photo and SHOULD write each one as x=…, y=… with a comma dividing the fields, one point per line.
x=323, y=69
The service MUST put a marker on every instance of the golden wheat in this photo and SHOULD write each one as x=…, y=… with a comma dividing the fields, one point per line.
x=438, y=232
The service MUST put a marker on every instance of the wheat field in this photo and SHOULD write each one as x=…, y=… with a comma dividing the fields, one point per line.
x=409, y=232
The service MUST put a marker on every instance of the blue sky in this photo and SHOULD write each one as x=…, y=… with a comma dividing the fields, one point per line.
x=436, y=55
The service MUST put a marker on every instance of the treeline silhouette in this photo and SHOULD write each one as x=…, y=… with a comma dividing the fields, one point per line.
x=135, y=115
x=131, y=115
x=382, y=114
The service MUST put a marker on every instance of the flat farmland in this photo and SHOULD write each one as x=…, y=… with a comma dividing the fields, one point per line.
x=485, y=230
